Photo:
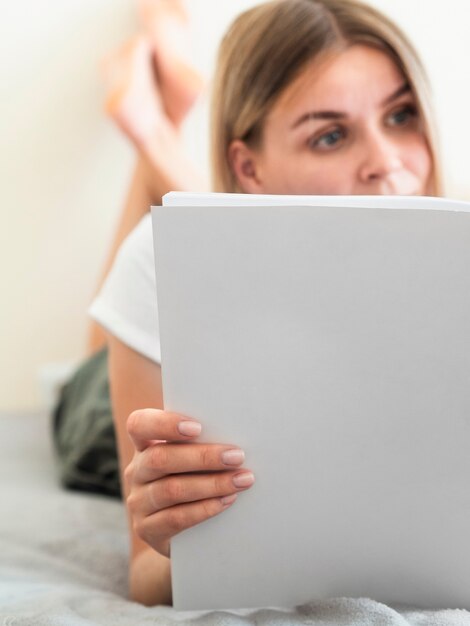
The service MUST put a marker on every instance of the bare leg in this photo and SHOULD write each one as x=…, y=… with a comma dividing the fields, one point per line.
x=136, y=104
x=137, y=203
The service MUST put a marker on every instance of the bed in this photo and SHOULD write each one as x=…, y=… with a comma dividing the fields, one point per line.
x=64, y=556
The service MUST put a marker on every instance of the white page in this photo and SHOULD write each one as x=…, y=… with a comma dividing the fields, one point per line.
x=330, y=344
x=186, y=198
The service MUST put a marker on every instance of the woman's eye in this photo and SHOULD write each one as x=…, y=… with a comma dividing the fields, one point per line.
x=402, y=116
x=328, y=140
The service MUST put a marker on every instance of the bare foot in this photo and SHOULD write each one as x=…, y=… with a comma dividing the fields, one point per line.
x=135, y=103
x=167, y=26
x=133, y=100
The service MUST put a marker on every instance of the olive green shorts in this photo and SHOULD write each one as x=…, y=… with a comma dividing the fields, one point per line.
x=83, y=430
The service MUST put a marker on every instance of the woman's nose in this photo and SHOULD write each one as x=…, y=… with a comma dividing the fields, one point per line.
x=381, y=158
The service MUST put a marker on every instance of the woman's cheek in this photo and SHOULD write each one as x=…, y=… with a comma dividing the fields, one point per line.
x=331, y=176
x=312, y=175
x=417, y=157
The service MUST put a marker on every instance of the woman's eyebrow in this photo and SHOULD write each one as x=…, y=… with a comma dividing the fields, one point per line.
x=318, y=115
x=405, y=88
x=338, y=115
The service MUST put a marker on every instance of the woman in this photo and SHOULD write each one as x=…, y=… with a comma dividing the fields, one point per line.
x=310, y=97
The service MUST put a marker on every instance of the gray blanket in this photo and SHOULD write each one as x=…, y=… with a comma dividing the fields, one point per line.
x=64, y=557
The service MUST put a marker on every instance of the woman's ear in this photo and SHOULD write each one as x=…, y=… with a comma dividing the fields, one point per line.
x=244, y=163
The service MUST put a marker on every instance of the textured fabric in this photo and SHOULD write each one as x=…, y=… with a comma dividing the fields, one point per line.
x=64, y=558
x=127, y=302
x=83, y=430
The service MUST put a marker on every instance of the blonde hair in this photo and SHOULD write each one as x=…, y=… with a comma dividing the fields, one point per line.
x=268, y=46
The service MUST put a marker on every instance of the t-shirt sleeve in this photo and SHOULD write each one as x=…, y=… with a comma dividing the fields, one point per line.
x=126, y=305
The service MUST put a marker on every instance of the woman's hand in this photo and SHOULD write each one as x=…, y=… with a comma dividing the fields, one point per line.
x=165, y=495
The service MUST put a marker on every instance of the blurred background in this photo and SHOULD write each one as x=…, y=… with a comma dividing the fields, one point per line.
x=65, y=167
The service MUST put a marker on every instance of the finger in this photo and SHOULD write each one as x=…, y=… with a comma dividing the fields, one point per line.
x=180, y=489
x=146, y=426
x=159, y=528
x=173, y=458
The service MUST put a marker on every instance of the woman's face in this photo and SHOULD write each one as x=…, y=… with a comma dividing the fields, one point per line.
x=349, y=126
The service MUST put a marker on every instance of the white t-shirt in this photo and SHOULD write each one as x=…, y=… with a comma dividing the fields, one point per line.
x=127, y=302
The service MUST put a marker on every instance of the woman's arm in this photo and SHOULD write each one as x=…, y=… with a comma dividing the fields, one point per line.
x=167, y=487
x=136, y=382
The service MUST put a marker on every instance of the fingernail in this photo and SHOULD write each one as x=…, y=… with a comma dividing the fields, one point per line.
x=191, y=429
x=226, y=500
x=243, y=480
x=233, y=457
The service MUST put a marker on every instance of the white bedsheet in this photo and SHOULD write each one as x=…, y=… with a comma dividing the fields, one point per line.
x=63, y=557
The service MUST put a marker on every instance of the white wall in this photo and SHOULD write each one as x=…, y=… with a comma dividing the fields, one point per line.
x=64, y=168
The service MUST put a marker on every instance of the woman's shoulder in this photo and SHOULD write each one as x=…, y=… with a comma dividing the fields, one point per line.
x=134, y=265
x=127, y=302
